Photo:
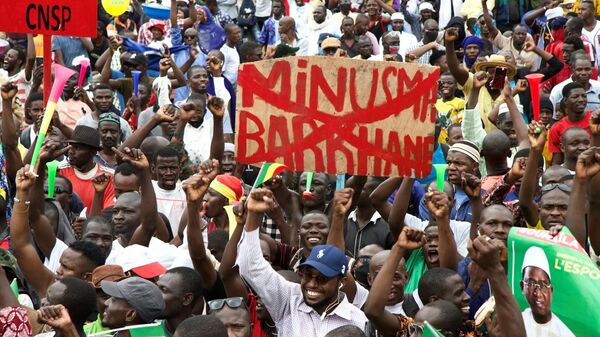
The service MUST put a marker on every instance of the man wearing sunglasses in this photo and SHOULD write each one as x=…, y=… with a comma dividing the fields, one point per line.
x=314, y=307
x=537, y=289
x=234, y=314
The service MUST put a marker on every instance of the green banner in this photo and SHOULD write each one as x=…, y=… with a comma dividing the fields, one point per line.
x=555, y=283
x=142, y=330
x=430, y=331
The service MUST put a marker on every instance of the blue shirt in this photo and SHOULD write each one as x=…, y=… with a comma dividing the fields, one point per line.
x=460, y=212
x=482, y=295
x=269, y=35
x=71, y=47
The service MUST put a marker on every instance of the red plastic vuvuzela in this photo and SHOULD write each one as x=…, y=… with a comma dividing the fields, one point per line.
x=534, y=88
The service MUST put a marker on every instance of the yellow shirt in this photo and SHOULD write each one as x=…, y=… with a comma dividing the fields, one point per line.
x=449, y=112
x=485, y=101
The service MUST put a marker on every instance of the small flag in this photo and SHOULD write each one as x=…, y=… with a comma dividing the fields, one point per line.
x=14, y=287
x=142, y=330
x=268, y=171
x=429, y=331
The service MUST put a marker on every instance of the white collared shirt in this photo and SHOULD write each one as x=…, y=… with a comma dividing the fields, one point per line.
x=197, y=141
x=284, y=300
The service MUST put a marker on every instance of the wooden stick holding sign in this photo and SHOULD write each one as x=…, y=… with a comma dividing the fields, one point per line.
x=337, y=115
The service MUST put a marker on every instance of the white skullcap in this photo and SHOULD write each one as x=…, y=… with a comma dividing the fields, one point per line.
x=397, y=16
x=229, y=147
x=426, y=5
x=535, y=257
x=468, y=148
x=553, y=13
x=504, y=109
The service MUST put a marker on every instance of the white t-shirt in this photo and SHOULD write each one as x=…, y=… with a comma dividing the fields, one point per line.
x=197, y=141
x=23, y=85
x=263, y=8
x=554, y=328
x=171, y=204
x=232, y=61
x=460, y=229
x=53, y=261
x=593, y=37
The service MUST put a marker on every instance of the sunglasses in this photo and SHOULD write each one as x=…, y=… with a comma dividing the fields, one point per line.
x=550, y=187
x=57, y=190
x=232, y=302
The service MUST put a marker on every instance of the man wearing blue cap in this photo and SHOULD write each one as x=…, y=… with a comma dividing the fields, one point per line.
x=311, y=308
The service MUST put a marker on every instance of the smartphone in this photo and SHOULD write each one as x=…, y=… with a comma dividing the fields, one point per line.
x=499, y=77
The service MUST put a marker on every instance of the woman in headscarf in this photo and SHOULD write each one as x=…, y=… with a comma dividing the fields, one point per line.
x=473, y=46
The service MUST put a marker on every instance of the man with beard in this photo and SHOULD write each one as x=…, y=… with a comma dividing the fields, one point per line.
x=81, y=168
x=515, y=43
x=109, y=127
x=132, y=301
x=316, y=306
x=575, y=103
x=538, y=291
x=103, y=102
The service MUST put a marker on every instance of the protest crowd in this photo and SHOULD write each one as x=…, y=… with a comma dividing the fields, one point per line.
x=135, y=218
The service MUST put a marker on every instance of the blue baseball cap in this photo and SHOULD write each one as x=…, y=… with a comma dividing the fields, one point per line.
x=328, y=260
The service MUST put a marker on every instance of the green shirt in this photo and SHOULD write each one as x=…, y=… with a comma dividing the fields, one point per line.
x=94, y=327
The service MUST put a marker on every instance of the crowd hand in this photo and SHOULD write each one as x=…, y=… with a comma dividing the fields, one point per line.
x=411, y=239
x=341, y=53
x=555, y=230
x=588, y=164
x=493, y=327
x=411, y=58
x=100, y=182
x=342, y=201
x=51, y=150
x=24, y=178
x=480, y=79
x=116, y=41
x=438, y=204
x=595, y=122
x=134, y=157
x=196, y=186
x=240, y=212
x=81, y=94
x=451, y=34
x=56, y=120
x=9, y=91
x=269, y=52
x=78, y=226
x=38, y=74
x=517, y=171
x=471, y=185
x=165, y=115
x=187, y=111
x=193, y=52
x=529, y=46
x=507, y=93
x=520, y=87
x=55, y=316
x=537, y=139
x=277, y=213
x=165, y=65
x=165, y=52
x=216, y=105
x=486, y=252
x=553, y=4
x=260, y=200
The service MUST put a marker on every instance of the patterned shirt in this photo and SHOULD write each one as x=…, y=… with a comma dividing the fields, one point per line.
x=284, y=300
x=223, y=18
x=269, y=35
x=424, y=59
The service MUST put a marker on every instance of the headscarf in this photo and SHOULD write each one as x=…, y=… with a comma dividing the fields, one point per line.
x=472, y=40
x=228, y=186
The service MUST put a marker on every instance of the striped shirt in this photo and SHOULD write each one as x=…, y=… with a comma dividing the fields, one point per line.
x=284, y=300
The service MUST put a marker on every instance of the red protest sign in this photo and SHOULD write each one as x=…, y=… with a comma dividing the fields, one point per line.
x=51, y=17
x=337, y=115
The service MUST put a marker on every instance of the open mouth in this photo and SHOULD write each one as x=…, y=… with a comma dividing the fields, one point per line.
x=313, y=240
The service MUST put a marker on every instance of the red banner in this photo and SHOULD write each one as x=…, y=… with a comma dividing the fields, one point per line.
x=50, y=17
x=337, y=115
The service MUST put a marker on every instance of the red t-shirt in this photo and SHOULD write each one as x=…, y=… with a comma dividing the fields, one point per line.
x=557, y=130
x=85, y=189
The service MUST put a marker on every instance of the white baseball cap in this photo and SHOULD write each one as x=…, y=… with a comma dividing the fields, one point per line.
x=426, y=5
